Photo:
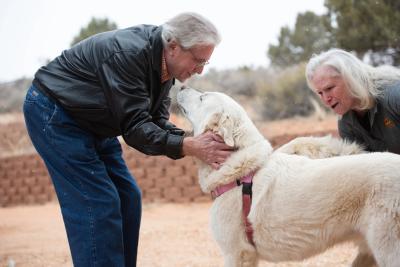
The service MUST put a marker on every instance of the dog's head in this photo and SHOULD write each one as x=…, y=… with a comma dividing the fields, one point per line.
x=211, y=111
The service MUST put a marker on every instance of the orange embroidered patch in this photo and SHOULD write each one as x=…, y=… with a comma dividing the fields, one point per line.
x=388, y=123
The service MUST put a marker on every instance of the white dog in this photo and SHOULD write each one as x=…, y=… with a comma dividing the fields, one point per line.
x=320, y=147
x=300, y=206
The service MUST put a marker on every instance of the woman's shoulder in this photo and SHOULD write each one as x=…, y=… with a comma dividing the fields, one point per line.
x=391, y=96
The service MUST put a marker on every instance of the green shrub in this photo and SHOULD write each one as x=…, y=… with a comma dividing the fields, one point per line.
x=286, y=94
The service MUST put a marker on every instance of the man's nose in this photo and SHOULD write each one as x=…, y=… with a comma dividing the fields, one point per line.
x=199, y=69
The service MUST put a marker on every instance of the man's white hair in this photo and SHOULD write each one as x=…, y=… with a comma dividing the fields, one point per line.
x=363, y=81
x=190, y=29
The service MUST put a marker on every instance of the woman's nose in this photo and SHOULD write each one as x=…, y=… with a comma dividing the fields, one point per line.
x=326, y=99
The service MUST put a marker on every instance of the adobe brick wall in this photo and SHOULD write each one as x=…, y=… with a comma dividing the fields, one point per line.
x=24, y=179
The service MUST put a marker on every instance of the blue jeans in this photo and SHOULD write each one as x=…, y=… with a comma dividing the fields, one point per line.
x=99, y=199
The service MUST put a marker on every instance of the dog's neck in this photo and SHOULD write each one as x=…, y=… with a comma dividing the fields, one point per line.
x=239, y=164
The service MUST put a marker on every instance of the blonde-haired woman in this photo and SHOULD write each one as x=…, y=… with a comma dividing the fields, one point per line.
x=366, y=98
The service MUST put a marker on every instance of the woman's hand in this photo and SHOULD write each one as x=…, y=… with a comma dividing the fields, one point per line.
x=208, y=147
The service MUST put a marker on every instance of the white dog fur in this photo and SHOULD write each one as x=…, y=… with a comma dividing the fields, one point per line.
x=301, y=206
x=320, y=147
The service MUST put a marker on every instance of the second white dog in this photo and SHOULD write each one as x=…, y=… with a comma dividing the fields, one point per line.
x=320, y=147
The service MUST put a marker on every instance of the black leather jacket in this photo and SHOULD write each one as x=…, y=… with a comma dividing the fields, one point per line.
x=111, y=85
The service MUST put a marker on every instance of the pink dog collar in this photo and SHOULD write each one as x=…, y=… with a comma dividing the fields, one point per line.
x=219, y=190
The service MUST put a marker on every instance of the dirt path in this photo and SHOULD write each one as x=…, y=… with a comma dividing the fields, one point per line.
x=171, y=235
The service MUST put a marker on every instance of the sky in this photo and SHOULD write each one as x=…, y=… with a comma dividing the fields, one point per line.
x=32, y=32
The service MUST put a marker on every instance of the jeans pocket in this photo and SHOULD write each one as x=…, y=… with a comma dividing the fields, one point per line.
x=34, y=96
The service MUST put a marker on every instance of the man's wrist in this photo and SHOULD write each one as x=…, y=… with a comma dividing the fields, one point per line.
x=187, y=146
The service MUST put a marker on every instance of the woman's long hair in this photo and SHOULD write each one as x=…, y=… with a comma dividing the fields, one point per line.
x=363, y=81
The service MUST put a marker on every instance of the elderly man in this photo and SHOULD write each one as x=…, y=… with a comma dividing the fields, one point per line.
x=115, y=83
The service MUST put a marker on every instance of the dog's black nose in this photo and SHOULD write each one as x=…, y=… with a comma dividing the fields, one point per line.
x=183, y=87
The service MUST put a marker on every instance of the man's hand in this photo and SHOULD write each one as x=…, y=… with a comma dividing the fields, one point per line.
x=208, y=147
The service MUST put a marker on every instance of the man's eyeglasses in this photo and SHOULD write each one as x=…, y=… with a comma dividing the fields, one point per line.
x=200, y=62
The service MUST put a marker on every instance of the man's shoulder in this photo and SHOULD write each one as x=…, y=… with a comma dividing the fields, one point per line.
x=136, y=39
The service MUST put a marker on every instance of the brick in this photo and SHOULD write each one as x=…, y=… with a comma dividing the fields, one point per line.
x=154, y=172
x=174, y=171
x=51, y=195
x=146, y=183
x=147, y=162
x=11, y=190
x=195, y=180
x=49, y=188
x=22, y=190
x=163, y=182
x=28, y=199
x=42, y=171
x=192, y=191
x=152, y=193
x=11, y=173
x=23, y=173
x=16, y=182
x=29, y=181
x=31, y=164
x=36, y=190
x=43, y=180
x=182, y=199
x=186, y=161
x=18, y=164
x=16, y=199
x=139, y=173
x=133, y=161
x=191, y=170
x=184, y=180
x=6, y=163
x=5, y=183
x=41, y=198
x=172, y=193
x=202, y=199
x=5, y=201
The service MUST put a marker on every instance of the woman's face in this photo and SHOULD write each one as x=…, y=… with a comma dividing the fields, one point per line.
x=332, y=90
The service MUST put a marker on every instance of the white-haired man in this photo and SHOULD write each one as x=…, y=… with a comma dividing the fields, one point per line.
x=115, y=83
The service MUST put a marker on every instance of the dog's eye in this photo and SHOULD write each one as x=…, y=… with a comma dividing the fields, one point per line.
x=201, y=97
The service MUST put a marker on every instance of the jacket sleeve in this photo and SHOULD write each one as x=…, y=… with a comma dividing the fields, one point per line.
x=162, y=118
x=123, y=76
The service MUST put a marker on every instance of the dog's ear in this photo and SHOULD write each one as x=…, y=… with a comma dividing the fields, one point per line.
x=225, y=129
x=222, y=124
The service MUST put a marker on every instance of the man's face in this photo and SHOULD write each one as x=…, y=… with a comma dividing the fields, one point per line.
x=183, y=63
x=332, y=90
